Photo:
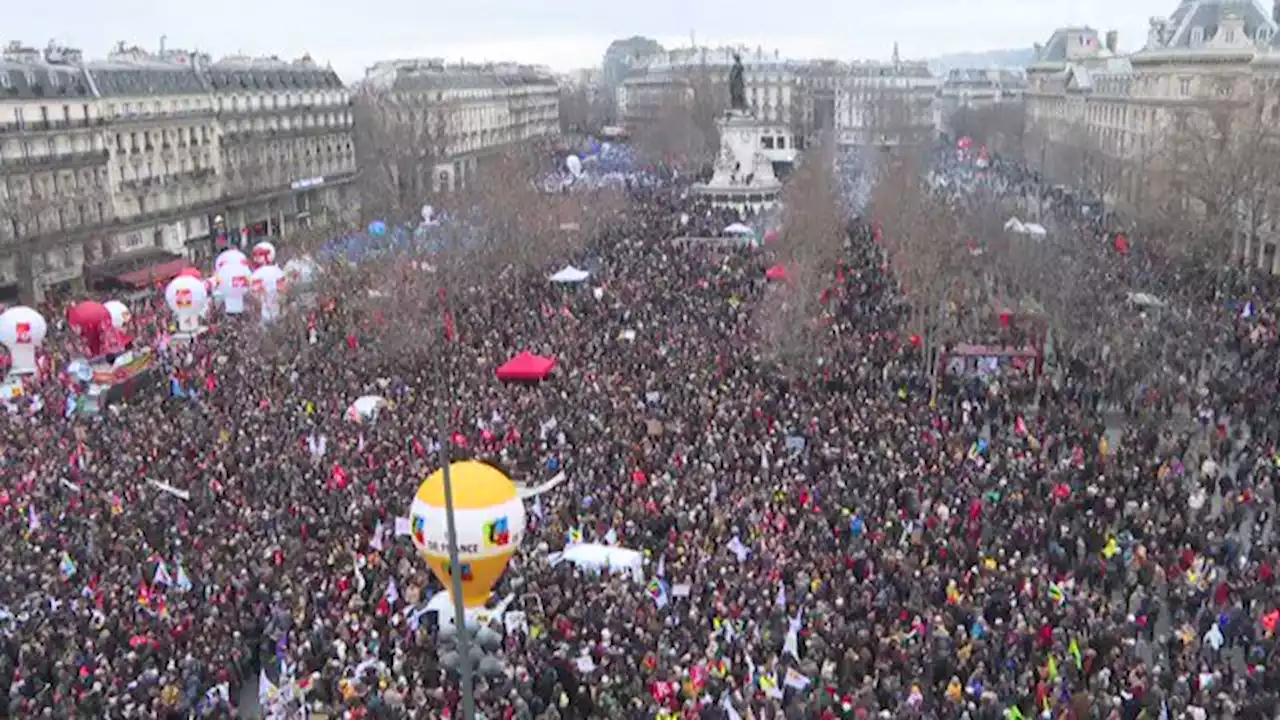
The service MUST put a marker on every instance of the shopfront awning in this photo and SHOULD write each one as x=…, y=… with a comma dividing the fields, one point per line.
x=136, y=270
x=159, y=273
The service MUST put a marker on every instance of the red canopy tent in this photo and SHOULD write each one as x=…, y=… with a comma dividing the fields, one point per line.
x=526, y=367
x=777, y=272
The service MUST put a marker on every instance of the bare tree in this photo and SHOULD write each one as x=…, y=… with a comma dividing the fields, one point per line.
x=934, y=264
x=1210, y=174
x=400, y=138
x=793, y=323
x=683, y=127
x=1001, y=127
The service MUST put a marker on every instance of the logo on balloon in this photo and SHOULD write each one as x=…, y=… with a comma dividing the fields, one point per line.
x=465, y=569
x=182, y=298
x=23, y=331
x=240, y=282
x=496, y=533
x=419, y=531
x=257, y=286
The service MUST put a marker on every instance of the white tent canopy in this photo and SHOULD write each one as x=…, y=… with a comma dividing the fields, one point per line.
x=1142, y=299
x=739, y=229
x=570, y=274
x=1015, y=225
x=594, y=556
x=366, y=408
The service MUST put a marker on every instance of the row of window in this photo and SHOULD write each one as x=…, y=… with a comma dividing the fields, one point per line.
x=149, y=140
x=49, y=147
x=221, y=103
x=276, y=102
x=64, y=184
x=49, y=117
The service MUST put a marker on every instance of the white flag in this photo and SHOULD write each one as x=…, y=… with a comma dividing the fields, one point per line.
x=791, y=644
x=162, y=576
x=376, y=542
x=729, y=709
x=795, y=679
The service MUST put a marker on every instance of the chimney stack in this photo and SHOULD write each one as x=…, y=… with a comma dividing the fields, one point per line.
x=1113, y=37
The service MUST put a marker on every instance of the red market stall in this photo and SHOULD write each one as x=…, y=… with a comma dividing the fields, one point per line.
x=526, y=367
x=777, y=273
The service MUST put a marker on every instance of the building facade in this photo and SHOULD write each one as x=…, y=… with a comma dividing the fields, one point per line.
x=770, y=82
x=111, y=167
x=1106, y=122
x=287, y=148
x=55, y=187
x=863, y=103
x=460, y=114
x=870, y=104
x=975, y=89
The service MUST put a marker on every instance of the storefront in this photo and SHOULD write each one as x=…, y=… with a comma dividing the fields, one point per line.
x=136, y=271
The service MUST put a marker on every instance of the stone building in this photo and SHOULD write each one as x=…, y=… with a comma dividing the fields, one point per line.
x=116, y=171
x=55, y=188
x=287, y=148
x=464, y=112
x=1105, y=122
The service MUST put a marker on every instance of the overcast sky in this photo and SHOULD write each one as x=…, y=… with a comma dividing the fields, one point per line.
x=565, y=34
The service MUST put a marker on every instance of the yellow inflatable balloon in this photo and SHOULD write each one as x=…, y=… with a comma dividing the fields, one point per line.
x=490, y=524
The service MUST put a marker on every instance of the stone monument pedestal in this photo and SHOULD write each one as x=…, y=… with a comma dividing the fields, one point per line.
x=743, y=176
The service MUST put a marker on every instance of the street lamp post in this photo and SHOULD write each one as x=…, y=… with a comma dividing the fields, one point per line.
x=455, y=576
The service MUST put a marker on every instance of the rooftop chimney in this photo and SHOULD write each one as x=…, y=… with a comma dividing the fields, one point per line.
x=1113, y=39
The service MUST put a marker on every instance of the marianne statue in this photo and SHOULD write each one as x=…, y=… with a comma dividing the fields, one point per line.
x=737, y=85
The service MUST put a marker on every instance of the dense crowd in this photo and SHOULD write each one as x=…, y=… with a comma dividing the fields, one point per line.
x=829, y=546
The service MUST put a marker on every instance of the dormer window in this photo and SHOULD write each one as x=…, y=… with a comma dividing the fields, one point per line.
x=1197, y=36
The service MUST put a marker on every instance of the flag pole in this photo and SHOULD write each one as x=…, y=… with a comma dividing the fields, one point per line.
x=455, y=577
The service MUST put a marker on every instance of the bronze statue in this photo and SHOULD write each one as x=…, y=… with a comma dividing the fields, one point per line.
x=737, y=85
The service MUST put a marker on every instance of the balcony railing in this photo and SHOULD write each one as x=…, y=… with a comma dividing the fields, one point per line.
x=46, y=126
x=174, y=180
x=144, y=118
x=264, y=134
x=66, y=160
x=233, y=113
x=50, y=240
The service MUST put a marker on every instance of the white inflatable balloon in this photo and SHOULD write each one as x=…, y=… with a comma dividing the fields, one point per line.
x=229, y=257
x=300, y=270
x=22, y=330
x=574, y=164
x=186, y=297
x=120, y=315
x=264, y=253
x=234, y=281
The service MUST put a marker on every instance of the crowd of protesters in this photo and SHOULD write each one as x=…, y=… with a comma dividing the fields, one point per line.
x=827, y=546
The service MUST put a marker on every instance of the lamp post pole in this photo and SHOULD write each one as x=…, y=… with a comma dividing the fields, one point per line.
x=455, y=573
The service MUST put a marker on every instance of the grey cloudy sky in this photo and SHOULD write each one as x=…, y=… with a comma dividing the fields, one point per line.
x=565, y=34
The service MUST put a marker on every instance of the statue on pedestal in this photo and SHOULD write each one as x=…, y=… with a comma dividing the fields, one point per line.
x=737, y=85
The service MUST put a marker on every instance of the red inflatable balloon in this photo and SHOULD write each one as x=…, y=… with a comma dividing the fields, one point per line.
x=92, y=321
x=191, y=273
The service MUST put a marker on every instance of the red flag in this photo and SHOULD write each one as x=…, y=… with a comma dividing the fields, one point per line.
x=338, y=478
x=450, y=332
